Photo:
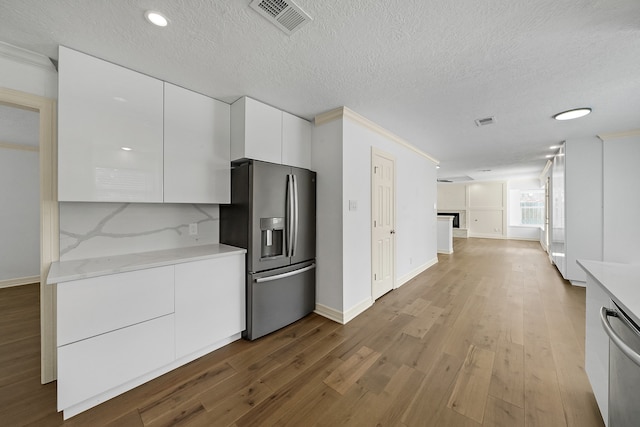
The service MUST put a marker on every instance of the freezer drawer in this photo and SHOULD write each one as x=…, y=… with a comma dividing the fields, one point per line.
x=279, y=297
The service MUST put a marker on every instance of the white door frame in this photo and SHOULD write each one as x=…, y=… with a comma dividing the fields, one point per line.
x=49, y=224
x=376, y=152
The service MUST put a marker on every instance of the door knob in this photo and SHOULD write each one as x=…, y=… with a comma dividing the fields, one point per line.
x=393, y=232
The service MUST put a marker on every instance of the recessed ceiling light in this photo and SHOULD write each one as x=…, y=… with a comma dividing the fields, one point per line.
x=437, y=166
x=572, y=114
x=156, y=18
x=126, y=148
x=554, y=147
x=549, y=156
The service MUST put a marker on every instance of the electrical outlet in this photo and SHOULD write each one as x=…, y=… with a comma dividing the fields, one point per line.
x=353, y=205
x=193, y=229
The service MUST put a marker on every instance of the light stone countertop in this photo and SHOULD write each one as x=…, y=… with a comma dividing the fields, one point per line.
x=65, y=271
x=620, y=281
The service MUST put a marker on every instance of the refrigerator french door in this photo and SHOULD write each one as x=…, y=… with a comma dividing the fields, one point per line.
x=273, y=215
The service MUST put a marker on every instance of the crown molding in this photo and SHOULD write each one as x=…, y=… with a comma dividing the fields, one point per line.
x=344, y=112
x=616, y=135
x=25, y=56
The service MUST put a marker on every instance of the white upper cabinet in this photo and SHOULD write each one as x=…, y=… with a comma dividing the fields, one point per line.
x=110, y=132
x=196, y=148
x=262, y=132
x=256, y=131
x=296, y=141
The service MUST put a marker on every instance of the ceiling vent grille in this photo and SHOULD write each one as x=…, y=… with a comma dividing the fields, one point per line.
x=486, y=121
x=285, y=15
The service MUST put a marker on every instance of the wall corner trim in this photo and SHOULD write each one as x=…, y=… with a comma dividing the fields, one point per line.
x=344, y=112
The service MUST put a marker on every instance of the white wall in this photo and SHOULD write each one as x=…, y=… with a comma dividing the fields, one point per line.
x=326, y=158
x=19, y=170
x=621, y=242
x=19, y=215
x=485, y=209
x=520, y=232
x=583, y=204
x=341, y=154
x=416, y=235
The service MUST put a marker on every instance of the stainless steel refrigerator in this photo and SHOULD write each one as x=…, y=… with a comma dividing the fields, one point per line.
x=273, y=215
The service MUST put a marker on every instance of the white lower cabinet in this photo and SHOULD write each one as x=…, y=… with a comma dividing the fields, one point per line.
x=210, y=301
x=90, y=367
x=120, y=330
x=597, y=346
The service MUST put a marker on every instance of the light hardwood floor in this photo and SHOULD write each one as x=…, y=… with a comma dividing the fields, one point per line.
x=490, y=336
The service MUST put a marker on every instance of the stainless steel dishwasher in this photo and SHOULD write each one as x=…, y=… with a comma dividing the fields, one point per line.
x=624, y=367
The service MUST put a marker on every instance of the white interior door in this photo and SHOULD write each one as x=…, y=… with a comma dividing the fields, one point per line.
x=383, y=223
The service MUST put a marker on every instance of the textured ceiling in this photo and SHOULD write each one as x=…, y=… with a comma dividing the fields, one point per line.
x=423, y=69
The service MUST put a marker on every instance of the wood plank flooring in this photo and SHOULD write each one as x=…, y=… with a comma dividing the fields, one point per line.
x=489, y=336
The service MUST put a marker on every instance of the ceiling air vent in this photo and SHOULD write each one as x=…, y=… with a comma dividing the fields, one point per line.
x=285, y=15
x=486, y=121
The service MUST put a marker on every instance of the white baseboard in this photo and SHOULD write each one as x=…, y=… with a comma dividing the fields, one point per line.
x=578, y=283
x=488, y=236
x=19, y=281
x=442, y=251
x=329, y=313
x=526, y=239
x=462, y=233
x=407, y=277
x=346, y=316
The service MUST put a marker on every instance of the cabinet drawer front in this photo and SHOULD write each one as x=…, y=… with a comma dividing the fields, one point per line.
x=90, y=307
x=90, y=367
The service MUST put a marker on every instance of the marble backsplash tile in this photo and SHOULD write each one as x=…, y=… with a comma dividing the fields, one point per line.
x=89, y=230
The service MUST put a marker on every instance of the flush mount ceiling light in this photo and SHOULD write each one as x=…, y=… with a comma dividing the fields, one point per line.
x=156, y=18
x=572, y=114
x=126, y=148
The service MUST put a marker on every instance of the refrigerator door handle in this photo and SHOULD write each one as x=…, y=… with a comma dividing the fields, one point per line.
x=283, y=275
x=287, y=225
x=295, y=216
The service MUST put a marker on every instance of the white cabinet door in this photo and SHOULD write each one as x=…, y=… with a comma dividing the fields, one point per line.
x=296, y=141
x=210, y=302
x=90, y=307
x=89, y=367
x=196, y=148
x=256, y=131
x=104, y=109
x=597, y=345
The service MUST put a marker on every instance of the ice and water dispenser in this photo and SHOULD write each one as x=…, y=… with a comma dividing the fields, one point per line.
x=272, y=237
